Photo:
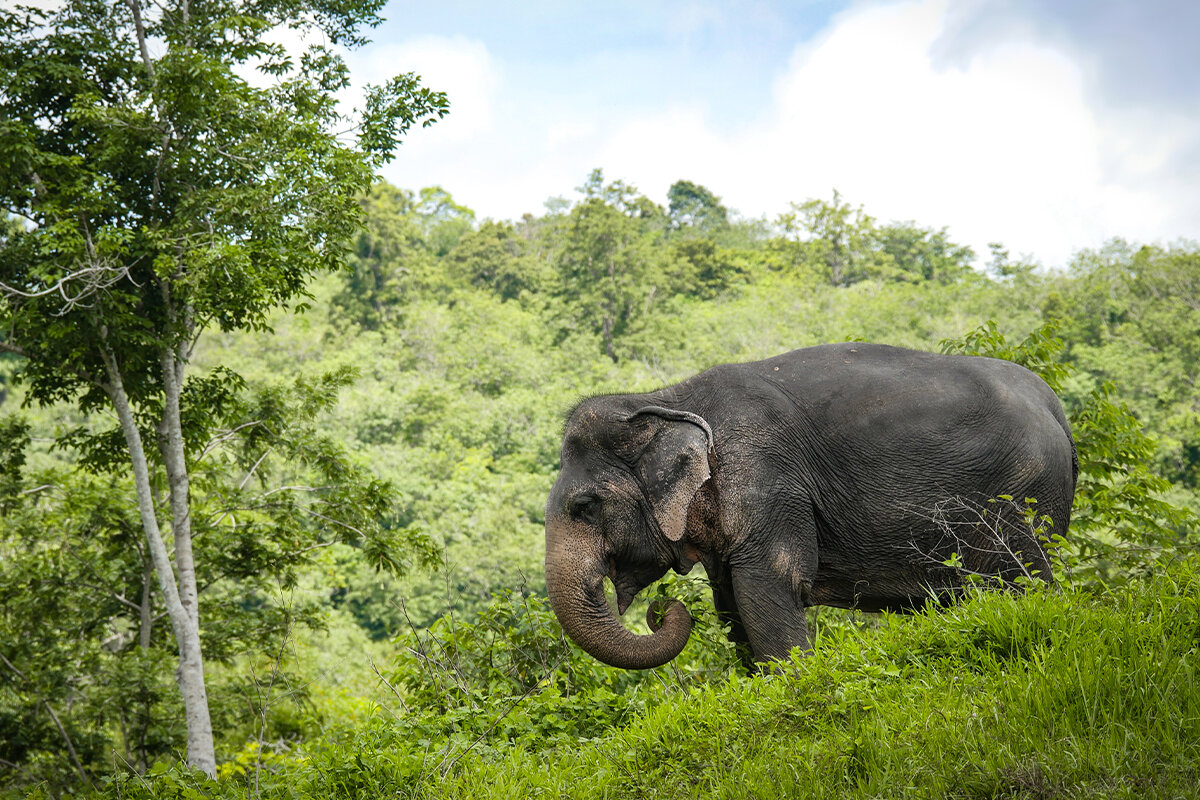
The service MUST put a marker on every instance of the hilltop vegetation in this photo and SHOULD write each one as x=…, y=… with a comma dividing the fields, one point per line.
x=440, y=365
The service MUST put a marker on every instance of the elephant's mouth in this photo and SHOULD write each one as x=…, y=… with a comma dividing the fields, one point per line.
x=628, y=580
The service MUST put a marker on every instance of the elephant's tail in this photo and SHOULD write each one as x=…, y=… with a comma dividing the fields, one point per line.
x=1061, y=416
x=1074, y=459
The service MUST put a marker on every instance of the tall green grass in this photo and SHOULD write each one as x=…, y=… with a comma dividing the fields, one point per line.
x=1054, y=693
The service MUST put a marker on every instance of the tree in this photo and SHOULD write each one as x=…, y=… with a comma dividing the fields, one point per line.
x=383, y=259
x=703, y=269
x=608, y=267
x=87, y=665
x=494, y=257
x=924, y=254
x=836, y=239
x=1003, y=267
x=164, y=194
x=690, y=205
x=1130, y=314
x=443, y=221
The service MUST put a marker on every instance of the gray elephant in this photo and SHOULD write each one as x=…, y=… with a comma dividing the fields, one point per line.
x=842, y=475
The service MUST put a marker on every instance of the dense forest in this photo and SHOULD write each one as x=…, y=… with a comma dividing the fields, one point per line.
x=442, y=362
x=368, y=439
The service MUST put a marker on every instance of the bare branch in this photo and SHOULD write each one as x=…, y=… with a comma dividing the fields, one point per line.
x=536, y=687
x=254, y=469
x=387, y=683
x=266, y=702
x=225, y=436
x=57, y=723
x=94, y=279
x=136, y=9
x=295, y=488
x=333, y=521
x=106, y=590
x=14, y=349
x=10, y=665
x=70, y=746
x=976, y=544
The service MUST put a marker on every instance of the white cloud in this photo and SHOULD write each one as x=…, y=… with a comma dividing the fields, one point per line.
x=1004, y=148
x=1000, y=146
x=460, y=67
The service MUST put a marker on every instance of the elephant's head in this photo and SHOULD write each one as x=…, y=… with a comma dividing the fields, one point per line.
x=619, y=509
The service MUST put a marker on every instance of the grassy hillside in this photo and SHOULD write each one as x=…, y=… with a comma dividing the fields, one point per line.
x=1057, y=693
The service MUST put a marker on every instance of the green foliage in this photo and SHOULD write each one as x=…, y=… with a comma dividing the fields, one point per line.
x=417, y=406
x=1123, y=312
x=1005, y=269
x=68, y=620
x=1038, y=352
x=385, y=254
x=1121, y=512
x=691, y=205
x=510, y=675
x=169, y=185
x=161, y=194
x=270, y=491
x=924, y=254
x=834, y=241
x=14, y=437
x=703, y=268
x=496, y=258
x=607, y=268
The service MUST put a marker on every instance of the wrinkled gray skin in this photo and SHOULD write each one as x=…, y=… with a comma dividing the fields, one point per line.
x=811, y=478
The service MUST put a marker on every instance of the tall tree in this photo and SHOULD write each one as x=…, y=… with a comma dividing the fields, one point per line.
x=162, y=193
x=494, y=257
x=836, y=239
x=384, y=254
x=691, y=205
x=924, y=254
x=609, y=270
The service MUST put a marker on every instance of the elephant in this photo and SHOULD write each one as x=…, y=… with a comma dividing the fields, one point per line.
x=848, y=475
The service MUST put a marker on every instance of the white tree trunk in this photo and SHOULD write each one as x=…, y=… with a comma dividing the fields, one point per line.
x=170, y=443
x=184, y=620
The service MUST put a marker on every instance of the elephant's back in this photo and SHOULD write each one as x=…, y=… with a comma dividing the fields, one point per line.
x=861, y=410
x=876, y=410
x=862, y=381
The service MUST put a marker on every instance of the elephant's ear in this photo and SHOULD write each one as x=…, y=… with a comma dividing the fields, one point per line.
x=673, y=465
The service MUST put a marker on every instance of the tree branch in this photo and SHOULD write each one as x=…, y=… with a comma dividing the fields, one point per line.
x=57, y=723
x=254, y=468
x=15, y=349
x=70, y=746
x=136, y=8
x=225, y=436
x=104, y=277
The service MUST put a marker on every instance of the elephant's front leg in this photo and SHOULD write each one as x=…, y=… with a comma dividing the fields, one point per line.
x=728, y=614
x=769, y=588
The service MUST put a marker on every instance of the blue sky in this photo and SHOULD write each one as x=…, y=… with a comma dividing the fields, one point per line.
x=1047, y=125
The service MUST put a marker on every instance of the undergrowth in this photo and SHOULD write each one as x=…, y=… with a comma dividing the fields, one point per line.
x=1058, y=692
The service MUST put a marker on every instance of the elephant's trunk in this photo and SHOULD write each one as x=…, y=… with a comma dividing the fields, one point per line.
x=575, y=584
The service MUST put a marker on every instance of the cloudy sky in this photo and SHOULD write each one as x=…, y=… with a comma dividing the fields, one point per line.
x=1047, y=125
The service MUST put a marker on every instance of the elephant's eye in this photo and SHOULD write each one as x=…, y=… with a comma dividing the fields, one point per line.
x=585, y=508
